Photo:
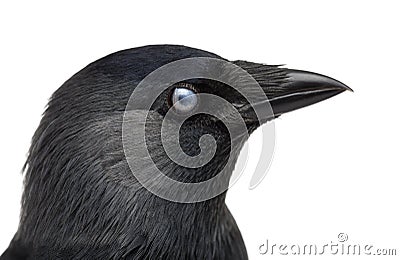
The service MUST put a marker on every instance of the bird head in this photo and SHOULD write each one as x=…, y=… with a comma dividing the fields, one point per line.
x=196, y=111
x=117, y=129
x=206, y=107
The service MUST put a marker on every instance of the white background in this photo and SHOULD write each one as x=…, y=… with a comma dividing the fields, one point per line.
x=335, y=167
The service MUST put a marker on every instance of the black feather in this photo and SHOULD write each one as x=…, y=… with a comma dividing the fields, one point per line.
x=80, y=199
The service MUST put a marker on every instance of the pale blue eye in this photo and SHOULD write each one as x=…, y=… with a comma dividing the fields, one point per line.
x=184, y=99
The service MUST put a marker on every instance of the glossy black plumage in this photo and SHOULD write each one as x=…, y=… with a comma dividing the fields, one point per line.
x=80, y=199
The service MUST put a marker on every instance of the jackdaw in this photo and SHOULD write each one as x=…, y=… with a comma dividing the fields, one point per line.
x=89, y=195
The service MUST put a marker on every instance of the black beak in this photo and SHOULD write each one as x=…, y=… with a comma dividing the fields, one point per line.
x=303, y=89
x=286, y=90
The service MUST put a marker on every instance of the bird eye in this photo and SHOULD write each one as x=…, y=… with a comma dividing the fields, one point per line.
x=183, y=99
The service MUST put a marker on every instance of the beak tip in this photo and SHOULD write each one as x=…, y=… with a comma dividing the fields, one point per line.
x=340, y=86
x=315, y=80
x=348, y=88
